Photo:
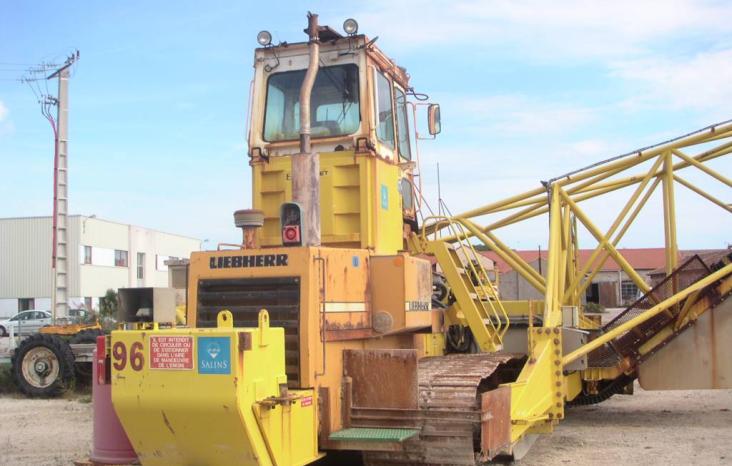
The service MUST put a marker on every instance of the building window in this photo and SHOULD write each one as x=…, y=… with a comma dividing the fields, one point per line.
x=87, y=255
x=140, y=265
x=628, y=290
x=120, y=258
x=26, y=303
x=592, y=295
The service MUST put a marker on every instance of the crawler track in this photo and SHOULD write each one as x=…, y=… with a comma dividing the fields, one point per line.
x=449, y=410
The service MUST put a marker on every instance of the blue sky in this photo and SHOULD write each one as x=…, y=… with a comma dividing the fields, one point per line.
x=528, y=89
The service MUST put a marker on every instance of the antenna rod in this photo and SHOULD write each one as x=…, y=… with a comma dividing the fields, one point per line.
x=439, y=191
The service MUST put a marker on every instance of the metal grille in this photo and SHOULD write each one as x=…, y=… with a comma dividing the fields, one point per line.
x=691, y=271
x=245, y=297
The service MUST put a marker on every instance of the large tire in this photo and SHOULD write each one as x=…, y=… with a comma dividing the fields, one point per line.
x=3, y=332
x=84, y=369
x=87, y=336
x=43, y=366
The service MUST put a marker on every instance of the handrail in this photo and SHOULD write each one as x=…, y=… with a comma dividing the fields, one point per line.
x=495, y=315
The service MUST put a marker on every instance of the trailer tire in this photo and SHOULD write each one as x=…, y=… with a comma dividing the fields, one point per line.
x=43, y=366
x=84, y=369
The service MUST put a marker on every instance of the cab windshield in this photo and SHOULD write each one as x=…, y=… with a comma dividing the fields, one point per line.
x=333, y=104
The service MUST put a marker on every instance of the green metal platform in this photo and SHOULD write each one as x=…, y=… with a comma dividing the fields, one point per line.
x=371, y=434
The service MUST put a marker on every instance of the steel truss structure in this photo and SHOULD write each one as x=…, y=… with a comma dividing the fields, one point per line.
x=545, y=383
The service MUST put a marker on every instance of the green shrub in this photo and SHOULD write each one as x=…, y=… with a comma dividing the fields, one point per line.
x=6, y=379
x=593, y=308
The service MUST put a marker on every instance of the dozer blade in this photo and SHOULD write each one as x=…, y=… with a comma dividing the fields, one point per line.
x=454, y=402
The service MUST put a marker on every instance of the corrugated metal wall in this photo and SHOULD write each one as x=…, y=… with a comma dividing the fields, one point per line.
x=25, y=257
x=74, y=278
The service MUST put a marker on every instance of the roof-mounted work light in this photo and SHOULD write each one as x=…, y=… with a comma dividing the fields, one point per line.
x=264, y=38
x=350, y=26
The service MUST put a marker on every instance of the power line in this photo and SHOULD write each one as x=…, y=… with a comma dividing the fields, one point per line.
x=49, y=65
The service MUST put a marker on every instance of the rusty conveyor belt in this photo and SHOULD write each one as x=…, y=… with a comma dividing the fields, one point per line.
x=611, y=354
x=449, y=410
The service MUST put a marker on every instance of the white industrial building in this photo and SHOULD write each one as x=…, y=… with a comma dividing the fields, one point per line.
x=101, y=255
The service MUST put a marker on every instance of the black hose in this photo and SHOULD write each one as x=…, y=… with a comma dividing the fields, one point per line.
x=614, y=387
x=459, y=339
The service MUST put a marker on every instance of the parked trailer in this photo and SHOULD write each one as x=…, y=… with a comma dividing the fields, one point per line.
x=46, y=365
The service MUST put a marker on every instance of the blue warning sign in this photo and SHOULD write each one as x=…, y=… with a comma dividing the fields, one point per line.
x=214, y=355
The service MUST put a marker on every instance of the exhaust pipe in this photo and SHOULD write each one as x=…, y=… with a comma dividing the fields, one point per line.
x=306, y=164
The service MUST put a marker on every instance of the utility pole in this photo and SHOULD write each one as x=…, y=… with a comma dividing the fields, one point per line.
x=59, y=254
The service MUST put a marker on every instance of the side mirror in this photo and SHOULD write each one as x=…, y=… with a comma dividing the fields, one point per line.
x=433, y=119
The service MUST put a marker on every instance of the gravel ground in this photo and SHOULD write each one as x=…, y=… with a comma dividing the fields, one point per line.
x=648, y=428
x=44, y=432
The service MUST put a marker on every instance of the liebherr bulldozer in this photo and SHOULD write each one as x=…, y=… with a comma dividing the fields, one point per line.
x=353, y=318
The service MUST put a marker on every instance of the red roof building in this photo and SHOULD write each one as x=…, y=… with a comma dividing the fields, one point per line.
x=639, y=258
x=610, y=287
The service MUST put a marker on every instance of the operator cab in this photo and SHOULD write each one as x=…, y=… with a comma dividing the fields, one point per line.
x=359, y=108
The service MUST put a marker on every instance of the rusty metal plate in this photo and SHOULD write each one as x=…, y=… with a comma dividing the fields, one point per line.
x=382, y=378
x=450, y=411
x=495, y=422
x=696, y=359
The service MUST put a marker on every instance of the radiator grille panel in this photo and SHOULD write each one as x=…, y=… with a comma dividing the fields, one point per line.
x=245, y=297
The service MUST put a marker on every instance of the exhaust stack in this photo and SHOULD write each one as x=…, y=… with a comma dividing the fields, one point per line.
x=306, y=164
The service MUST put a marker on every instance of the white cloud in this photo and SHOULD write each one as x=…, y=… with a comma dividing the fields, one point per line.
x=547, y=30
x=6, y=126
x=699, y=82
x=589, y=147
x=515, y=114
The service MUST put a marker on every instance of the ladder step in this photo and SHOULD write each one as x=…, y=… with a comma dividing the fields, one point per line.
x=363, y=434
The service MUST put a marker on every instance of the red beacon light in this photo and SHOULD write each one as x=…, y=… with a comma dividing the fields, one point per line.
x=291, y=220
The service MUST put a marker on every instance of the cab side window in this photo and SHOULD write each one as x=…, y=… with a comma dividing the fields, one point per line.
x=384, y=111
x=402, y=124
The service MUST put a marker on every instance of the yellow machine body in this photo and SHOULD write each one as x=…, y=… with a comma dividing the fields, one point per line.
x=334, y=305
x=360, y=203
x=354, y=358
x=211, y=396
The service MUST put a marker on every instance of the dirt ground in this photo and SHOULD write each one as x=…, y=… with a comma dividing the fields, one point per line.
x=44, y=432
x=648, y=428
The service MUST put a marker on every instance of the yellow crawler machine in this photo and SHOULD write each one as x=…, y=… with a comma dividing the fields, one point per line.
x=329, y=328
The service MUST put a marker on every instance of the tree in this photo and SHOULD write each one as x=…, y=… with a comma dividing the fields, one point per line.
x=108, y=304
